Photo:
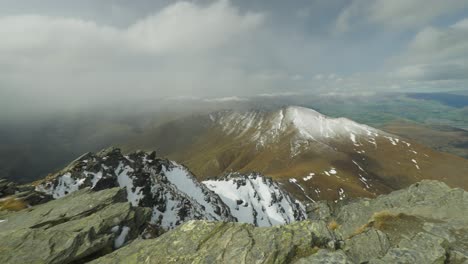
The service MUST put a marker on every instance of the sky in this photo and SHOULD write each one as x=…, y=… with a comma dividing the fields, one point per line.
x=62, y=54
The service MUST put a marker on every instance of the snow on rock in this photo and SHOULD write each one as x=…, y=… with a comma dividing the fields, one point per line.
x=341, y=194
x=169, y=188
x=306, y=124
x=307, y=178
x=65, y=185
x=257, y=200
x=120, y=240
x=173, y=193
x=392, y=140
x=364, y=181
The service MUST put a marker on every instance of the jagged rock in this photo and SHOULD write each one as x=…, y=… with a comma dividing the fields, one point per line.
x=319, y=210
x=421, y=249
x=426, y=199
x=174, y=193
x=218, y=242
x=167, y=187
x=425, y=223
x=324, y=256
x=74, y=228
x=7, y=188
x=370, y=244
x=23, y=195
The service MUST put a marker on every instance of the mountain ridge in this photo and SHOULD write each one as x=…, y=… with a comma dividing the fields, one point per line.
x=295, y=143
x=172, y=191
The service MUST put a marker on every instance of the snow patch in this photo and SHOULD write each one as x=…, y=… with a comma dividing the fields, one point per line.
x=256, y=200
x=183, y=180
x=66, y=185
x=134, y=194
x=120, y=240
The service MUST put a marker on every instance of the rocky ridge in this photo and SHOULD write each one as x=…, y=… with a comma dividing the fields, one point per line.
x=173, y=193
x=81, y=225
x=425, y=223
x=137, y=208
x=384, y=230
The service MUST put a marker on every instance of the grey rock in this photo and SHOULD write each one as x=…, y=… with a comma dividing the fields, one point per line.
x=319, y=210
x=74, y=228
x=324, y=256
x=421, y=249
x=146, y=179
x=458, y=257
x=426, y=199
x=7, y=188
x=26, y=194
x=222, y=242
x=368, y=245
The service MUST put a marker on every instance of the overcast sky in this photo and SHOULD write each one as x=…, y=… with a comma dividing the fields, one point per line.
x=68, y=54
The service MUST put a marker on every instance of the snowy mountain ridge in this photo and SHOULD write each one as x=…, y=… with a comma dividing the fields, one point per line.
x=173, y=193
x=256, y=199
x=302, y=123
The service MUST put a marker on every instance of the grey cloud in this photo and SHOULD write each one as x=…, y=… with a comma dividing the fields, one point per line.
x=59, y=55
x=183, y=49
x=397, y=14
x=436, y=54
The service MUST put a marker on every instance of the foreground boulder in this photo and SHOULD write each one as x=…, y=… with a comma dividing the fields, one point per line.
x=82, y=225
x=425, y=223
x=220, y=242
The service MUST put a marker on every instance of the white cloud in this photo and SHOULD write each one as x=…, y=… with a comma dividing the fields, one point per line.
x=436, y=54
x=462, y=24
x=184, y=49
x=186, y=27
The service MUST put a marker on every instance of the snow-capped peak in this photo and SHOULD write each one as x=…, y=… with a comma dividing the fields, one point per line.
x=311, y=124
x=302, y=124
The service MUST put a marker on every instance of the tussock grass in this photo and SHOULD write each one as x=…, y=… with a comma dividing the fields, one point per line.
x=333, y=225
x=12, y=204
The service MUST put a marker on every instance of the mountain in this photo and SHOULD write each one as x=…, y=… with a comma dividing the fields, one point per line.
x=312, y=155
x=412, y=225
x=173, y=193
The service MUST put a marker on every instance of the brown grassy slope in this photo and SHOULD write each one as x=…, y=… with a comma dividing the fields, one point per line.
x=209, y=152
x=441, y=138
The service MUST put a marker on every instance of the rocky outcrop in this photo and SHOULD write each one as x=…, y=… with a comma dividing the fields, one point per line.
x=165, y=186
x=394, y=228
x=217, y=242
x=173, y=193
x=425, y=223
x=15, y=197
x=115, y=208
x=83, y=225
